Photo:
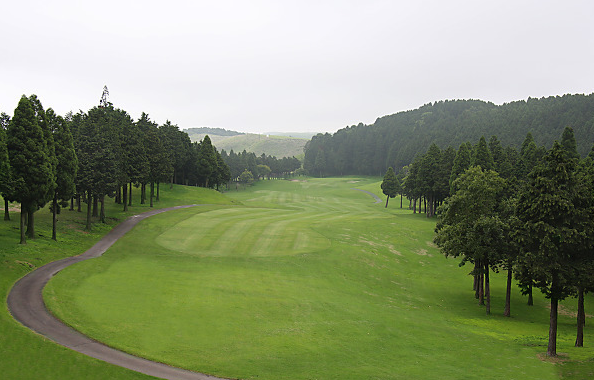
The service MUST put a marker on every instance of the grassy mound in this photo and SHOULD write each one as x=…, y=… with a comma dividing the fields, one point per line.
x=308, y=279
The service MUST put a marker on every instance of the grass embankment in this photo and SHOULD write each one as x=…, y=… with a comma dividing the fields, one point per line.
x=26, y=355
x=307, y=280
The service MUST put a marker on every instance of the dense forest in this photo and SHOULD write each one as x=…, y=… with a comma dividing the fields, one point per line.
x=395, y=140
x=84, y=157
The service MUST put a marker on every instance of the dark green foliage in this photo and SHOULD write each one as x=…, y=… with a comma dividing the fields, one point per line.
x=461, y=163
x=246, y=177
x=237, y=163
x=390, y=185
x=568, y=143
x=4, y=160
x=207, y=162
x=32, y=173
x=549, y=236
x=481, y=155
x=394, y=140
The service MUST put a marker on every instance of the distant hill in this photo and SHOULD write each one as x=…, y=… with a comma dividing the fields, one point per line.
x=276, y=146
x=395, y=140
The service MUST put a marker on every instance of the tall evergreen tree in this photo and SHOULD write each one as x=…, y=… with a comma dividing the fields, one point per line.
x=482, y=155
x=207, y=162
x=5, y=183
x=547, y=213
x=390, y=186
x=569, y=144
x=67, y=164
x=31, y=166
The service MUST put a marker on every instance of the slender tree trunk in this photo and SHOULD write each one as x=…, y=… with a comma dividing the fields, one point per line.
x=481, y=286
x=552, y=347
x=6, y=212
x=400, y=200
x=487, y=288
x=125, y=196
x=54, y=217
x=95, y=206
x=507, y=310
x=414, y=206
x=23, y=223
x=579, y=340
x=71, y=203
x=102, y=212
x=130, y=195
x=387, y=199
x=118, y=197
x=78, y=203
x=152, y=192
x=89, y=207
x=30, y=223
x=530, y=298
x=158, y=191
x=142, y=193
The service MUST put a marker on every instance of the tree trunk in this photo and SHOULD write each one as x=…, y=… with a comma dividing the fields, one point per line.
x=552, y=347
x=387, y=199
x=118, y=197
x=158, y=191
x=130, y=195
x=142, y=193
x=152, y=192
x=414, y=206
x=78, y=203
x=507, y=310
x=6, y=212
x=579, y=340
x=71, y=203
x=30, y=223
x=487, y=288
x=89, y=207
x=95, y=206
x=23, y=222
x=530, y=298
x=54, y=217
x=481, y=286
x=102, y=213
x=475, y=285
x=125, y=196
x=400, y=200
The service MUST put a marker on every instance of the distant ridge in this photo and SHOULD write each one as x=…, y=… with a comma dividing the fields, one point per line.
x=211, y=131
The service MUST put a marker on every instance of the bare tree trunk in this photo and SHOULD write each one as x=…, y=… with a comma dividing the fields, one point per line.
x=142, y=193
x=125, y=196
x=152, y=192
x=6, y=212
x=387, y=199
x=30, y=223
x=23, y=222
x=158, y=191
x=400, y=200
x=581, y=319
x=530, y=298
x=130, y=195
x=78, y=203
x=507, y=310
x=487, y=288
x=89, y=206
x=481, y=286
x=71, y=203
x=95, y=206
x=552, y=347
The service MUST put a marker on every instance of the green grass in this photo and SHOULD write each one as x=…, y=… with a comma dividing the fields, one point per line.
x=306, y=280
x=26, y=355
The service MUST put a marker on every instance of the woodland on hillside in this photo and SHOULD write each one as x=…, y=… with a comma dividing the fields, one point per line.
x=395, y=140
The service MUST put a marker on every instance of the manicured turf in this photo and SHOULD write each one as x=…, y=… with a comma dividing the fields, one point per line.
x=307, y=280
x=26, y=355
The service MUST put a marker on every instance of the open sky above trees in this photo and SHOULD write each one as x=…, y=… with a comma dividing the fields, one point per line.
x=264, y=66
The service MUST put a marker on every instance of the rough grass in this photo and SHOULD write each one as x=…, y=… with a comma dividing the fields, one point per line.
x=26, y=355
x=308, y=279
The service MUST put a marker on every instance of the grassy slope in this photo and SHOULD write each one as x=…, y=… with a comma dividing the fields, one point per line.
x=309, y=280
x=26, y=355
x=277, y=146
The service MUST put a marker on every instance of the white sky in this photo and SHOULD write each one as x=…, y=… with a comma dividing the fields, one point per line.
x=262, y=66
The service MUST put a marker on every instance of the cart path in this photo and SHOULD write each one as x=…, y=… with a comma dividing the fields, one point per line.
x=25, y=303
x=377, y=199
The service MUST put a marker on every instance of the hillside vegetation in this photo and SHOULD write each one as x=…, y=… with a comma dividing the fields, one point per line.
x=271, y=145
x=395, y=140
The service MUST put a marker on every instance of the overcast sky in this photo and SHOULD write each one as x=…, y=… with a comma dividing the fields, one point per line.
x=263, y=66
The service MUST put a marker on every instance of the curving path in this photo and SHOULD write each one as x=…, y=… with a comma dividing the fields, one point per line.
x=377, y=199
x=25, y=303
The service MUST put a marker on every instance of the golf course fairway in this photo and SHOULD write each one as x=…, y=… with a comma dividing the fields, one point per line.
x=305, y=279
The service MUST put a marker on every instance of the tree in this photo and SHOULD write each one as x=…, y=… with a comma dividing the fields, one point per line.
x=390, y=185
x=246, y=177
x=207, y=162
x=67, y=164
x=461, y=163
x=569, y=144
x=31, y=168
x=469, y=223
x=547, y=213
x=482, y=155
x=5, y=183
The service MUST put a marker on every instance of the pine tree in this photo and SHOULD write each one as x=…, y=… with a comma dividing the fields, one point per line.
x=461, y=163
x=207, y=162
x=569, y=144
x=482, y=156
x=390, y=185
x=31, y=167
x=5, y=183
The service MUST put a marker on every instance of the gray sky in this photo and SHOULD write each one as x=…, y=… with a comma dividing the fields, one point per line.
x=262, y=66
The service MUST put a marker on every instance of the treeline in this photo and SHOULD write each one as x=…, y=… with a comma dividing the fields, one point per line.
x=263, y=166
x=87, y=156
x=212, y=131
x=528, y=211
x=395, y=140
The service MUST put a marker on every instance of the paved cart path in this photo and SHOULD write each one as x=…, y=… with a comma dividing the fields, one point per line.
x=26, y=305
x=377, y=199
